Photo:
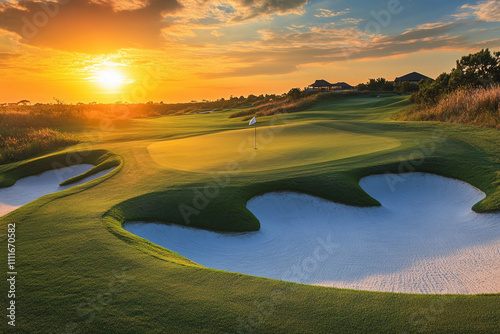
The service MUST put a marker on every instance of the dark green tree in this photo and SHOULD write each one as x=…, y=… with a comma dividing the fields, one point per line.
x=478, y=69
x=377, y=85
x=362, y=87
x=294, y=94
x=406, y=87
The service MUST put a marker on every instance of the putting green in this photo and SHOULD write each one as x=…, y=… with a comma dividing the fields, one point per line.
x=277, y=147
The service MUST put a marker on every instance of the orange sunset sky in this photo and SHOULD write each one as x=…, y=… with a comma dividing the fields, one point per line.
x=183, y=50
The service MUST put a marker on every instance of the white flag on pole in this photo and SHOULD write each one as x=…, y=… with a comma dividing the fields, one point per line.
x=253, y=121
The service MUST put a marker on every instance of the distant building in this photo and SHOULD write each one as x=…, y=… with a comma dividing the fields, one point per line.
x=412, y=77
x=343, y=86
x=323, y=85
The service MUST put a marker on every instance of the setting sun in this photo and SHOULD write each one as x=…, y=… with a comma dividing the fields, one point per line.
x=111, y=79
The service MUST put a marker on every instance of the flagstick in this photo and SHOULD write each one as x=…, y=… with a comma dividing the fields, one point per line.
x=255, y=135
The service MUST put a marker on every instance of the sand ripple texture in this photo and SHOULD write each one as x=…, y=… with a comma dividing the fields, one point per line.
x=423, y=239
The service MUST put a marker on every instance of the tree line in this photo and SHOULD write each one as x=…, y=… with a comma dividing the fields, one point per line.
x=481, y=69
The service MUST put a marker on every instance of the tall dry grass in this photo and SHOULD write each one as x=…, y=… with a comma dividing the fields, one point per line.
x=20, y=143
x=26, y=132
x=477, y=106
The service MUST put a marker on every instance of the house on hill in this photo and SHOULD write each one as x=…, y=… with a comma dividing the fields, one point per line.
x=320, y=85
x=323, y=85
x=412, y=77
x=343, y=86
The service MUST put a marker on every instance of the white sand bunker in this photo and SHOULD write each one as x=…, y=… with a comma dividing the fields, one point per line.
x=30, y=188
x=424, y=239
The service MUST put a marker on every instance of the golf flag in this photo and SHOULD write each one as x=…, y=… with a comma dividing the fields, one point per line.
x=253, y=121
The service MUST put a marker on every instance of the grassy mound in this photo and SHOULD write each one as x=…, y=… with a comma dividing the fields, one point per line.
x=102, y=160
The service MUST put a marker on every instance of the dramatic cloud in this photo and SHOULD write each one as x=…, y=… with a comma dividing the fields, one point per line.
x=250, y=9
x=236, y=11
x=280, y=52
x=330, y=13
x=92, y=27
x=488, y=11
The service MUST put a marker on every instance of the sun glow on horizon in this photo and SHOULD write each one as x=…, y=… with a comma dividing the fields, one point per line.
x=110, y=79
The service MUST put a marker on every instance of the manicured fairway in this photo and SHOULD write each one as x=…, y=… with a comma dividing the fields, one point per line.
x=79, y=271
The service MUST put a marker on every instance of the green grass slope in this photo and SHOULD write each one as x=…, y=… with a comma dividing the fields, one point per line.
x=80, y=272
x=280, y=147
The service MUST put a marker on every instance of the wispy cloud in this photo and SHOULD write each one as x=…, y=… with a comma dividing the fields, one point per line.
x=488, y=11
x=216, y=33
x=249, y=9
x=350, y=20
x=427, y=31
x=329, y=13
x=237, y=11
x=280, y=51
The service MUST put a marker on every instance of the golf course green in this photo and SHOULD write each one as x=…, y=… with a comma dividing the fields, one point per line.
x=279, y=147
x=79, y=271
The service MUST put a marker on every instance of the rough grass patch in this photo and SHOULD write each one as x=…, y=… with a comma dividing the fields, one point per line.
x=478, y=106
x=20, y=143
